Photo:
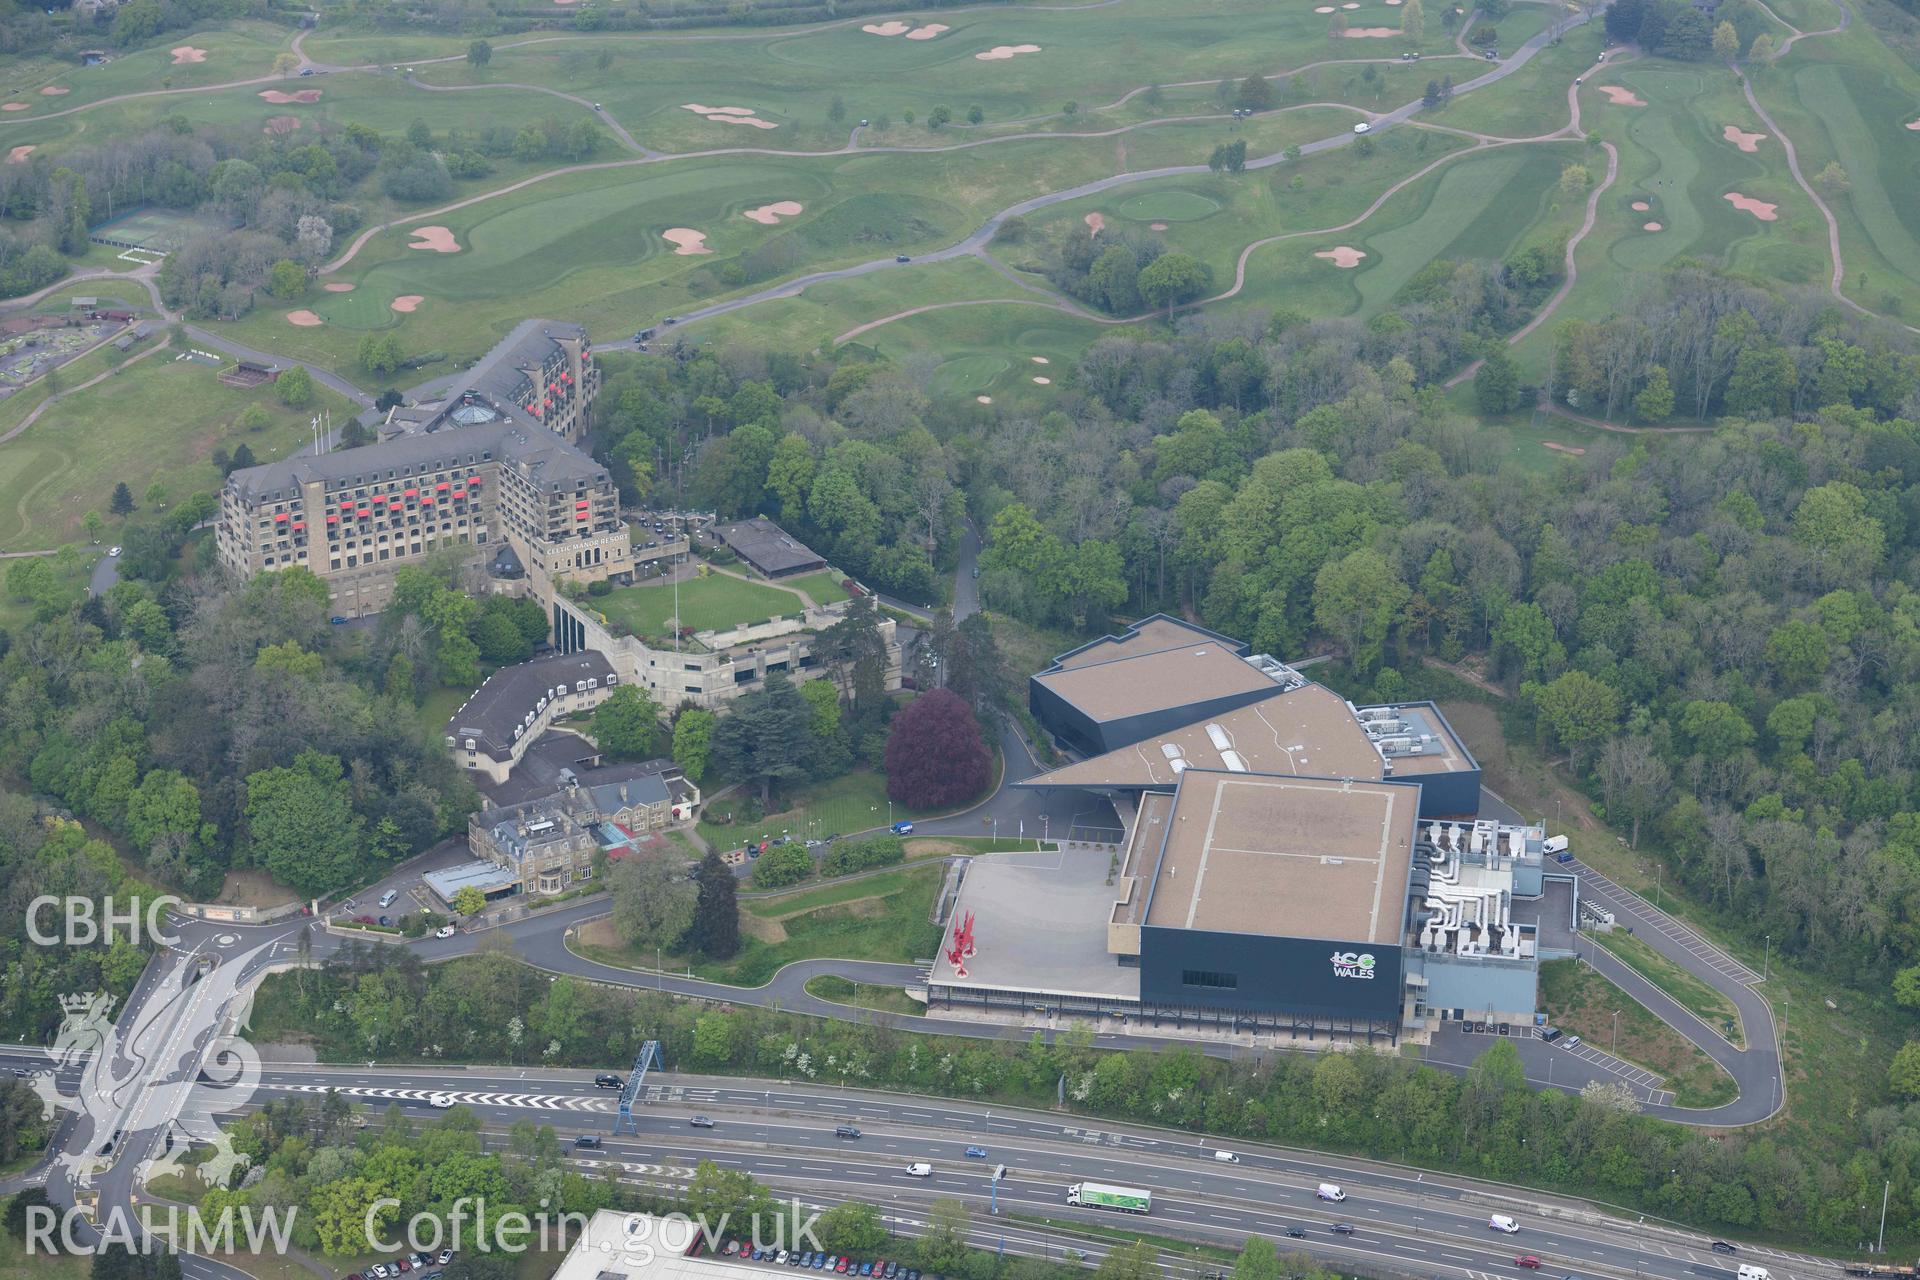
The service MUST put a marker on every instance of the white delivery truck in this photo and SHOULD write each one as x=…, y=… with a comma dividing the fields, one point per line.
x=1754, y=1273
x=919, y=1169
x=1501, y=1222
x=1328, y=1191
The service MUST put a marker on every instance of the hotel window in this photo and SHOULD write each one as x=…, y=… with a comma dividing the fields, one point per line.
x=1208, y=978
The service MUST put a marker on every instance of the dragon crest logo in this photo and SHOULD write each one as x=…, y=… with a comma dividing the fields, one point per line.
x=145, y=1072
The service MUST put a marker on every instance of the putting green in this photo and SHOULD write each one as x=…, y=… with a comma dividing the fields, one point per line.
x=1168, y=206
x=968, y=374
x=363, y=308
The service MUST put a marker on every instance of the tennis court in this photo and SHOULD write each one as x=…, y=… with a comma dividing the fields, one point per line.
x=154, y=230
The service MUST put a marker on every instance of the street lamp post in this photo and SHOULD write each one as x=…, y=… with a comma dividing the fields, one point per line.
x=1616, y=1033
x=1884, y=1193
x=1766, y=960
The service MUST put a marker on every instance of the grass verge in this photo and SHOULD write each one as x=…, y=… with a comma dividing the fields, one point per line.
x=1582, y=1002
x=865, y=995
x=1693, y=995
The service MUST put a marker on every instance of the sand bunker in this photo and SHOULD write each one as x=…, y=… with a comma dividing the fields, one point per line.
x=1370, y=33
x=1653, y=226
x=407, y=302
x=304, y=319
x=768, y=214
x=1557, y=447
x=14, y=106
x=893, y=28
x=728, y=115
x=438, y=239
x=1156, y=226
x=1043, y=382
x=1744, y=141
x=1325, y=8
x=1915, y=126
x=187, y=53
x=1001, y=52
x=1040, y=360
x=19, y=154
x=1758, y=208
x=278, y=98
x=54, y=91
x=281, y=124
x=1641, y=206
x=1622, y=97
x=338, y=286
x=1342, y=256
x=686, y=241
x=928, y=32
x=984, y=399
x=1096, y=223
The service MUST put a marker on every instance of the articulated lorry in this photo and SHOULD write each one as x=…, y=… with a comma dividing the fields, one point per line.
x=1093, y=1195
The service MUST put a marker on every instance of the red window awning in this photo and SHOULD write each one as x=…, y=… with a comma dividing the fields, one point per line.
x=281, y=516
x=363, y=513
x=298, y=525
x=333, y=519
x=442, y=485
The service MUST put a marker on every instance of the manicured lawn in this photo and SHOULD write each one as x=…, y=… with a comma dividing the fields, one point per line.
x=822, y=588
x=1693, y=995
x=158, y=419
x=854, y=802
x=799, y=902
x=709, y=603
x=1582, y=1002
x=438, y=707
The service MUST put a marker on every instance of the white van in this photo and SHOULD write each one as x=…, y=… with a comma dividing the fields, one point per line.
x=1226, y=1157
x=1501, y=1222
x=387, y=898
x=1754, y=1273
x=919, y=1169
x=1328, y=1191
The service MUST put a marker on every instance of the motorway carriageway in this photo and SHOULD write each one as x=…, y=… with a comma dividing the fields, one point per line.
x=1409, y=1222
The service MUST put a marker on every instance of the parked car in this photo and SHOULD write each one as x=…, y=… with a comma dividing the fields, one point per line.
x=780, y=1258
x=609, y=1081
x=701, y=1122
x=1528, y=1261
x=114, y=552
x=444, y=931
x=1572, y=1041
x=1550, y=1034
x=388, y=898
x=729, y=1247
x=1363, y=127
x=819, y=1261
x=446, y=1256
x=903, y=828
